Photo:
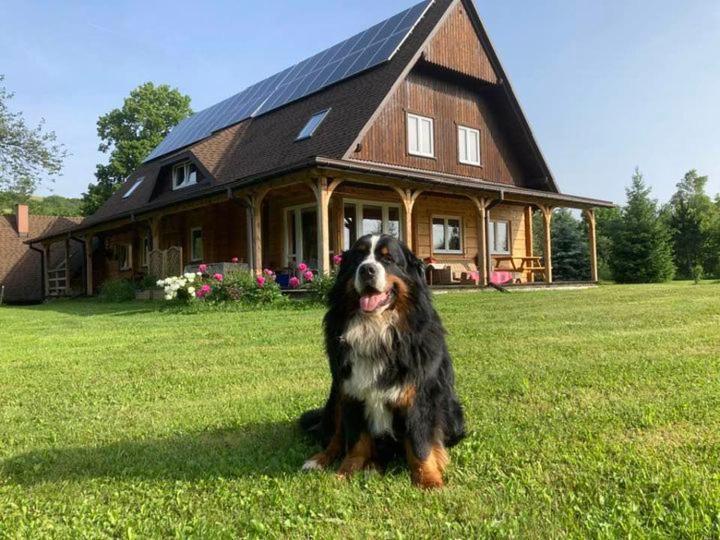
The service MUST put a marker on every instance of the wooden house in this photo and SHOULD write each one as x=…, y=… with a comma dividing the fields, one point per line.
x=410, y=128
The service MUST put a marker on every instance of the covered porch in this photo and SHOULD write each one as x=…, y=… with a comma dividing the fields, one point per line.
x=469, y=233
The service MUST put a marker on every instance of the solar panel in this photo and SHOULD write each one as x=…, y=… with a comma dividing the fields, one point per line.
x=342, y=61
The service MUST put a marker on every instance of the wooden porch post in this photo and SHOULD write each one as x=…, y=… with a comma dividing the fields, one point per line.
x=254, y=201
x=547, y=220
x=529, y=247
x=323, y=189
x=155, y=231
x=67, y=266
x=481, y=204
x=409, y=198
x=88, y=265
x=46, y=267
x=592, y=243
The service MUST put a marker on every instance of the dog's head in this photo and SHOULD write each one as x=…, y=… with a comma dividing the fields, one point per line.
x=380, y=273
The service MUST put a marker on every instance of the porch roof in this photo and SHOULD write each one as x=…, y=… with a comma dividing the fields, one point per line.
x=358, y=171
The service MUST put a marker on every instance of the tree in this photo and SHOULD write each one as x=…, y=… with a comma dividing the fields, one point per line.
x=28, y=156
x=641, y=251
x=689, y=216
x=130, y=133
x=570, y=252
x=607, y=224
x=53, y=205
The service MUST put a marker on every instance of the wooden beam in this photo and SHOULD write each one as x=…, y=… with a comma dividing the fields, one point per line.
x=484, y=261
x=67, y=266
x=46, y=266
x=323, y=189
x=88, y=266
x=408, y=197
x=254, y=201
x=592, y=244
x=547, y=212
x=529, y=246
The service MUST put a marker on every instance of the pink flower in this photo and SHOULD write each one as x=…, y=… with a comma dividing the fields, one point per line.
x=309, y=276
x=218, y=277
x=202, y=268
x=234, y=260
x=294, y=282
x=337, y=260
x=302, y=267
x=260, y=281
x=204, y=291
x=268, y=272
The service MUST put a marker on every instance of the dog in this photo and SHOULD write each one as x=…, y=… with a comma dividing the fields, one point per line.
x=392, y=391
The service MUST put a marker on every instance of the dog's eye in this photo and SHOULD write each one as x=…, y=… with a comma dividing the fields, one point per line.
x=387, y=258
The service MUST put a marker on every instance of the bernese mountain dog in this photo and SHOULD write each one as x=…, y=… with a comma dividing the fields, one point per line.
x=392, y=391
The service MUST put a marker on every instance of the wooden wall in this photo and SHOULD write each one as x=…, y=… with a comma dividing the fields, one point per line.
x=449, y=104
x=456, y=46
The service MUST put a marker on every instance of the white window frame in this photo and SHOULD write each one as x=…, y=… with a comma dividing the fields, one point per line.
x=193, y=257
x=386, y=206
x=464, y=150
x=418, y=132
x=447, y=250
x=128, y=263
x=188, y=181
x=492, y=237
x=297, y=216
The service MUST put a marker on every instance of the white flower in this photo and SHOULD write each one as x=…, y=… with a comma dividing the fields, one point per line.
x=168, y=297
x=199, y=274
x=191, y=291
x=189, y=277
x=161, y=283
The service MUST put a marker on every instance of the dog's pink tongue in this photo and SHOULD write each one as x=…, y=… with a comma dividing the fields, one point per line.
x=370, y=302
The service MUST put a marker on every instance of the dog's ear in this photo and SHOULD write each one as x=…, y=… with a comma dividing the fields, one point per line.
x=415, y=267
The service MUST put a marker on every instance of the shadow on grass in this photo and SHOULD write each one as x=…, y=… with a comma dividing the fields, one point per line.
x=269, y=449
x=88, y=307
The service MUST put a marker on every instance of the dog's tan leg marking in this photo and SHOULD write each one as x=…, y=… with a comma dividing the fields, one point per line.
x=359, y=457
x=322, y=459
x=427, y=473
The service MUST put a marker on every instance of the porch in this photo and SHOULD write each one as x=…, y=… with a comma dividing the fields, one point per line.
x=468, y=234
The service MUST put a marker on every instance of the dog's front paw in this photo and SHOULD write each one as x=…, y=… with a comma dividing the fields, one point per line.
x=312, y=465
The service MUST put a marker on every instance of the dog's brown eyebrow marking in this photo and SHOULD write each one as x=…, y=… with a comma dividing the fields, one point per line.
x=384, y=251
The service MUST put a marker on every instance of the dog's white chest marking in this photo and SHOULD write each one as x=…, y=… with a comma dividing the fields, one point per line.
x=369, y=339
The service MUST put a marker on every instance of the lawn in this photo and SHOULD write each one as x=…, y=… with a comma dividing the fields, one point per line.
x=591, y=413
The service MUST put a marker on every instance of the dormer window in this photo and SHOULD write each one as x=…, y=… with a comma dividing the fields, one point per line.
x=184, y=175
x=312, y=125
x=134, y=187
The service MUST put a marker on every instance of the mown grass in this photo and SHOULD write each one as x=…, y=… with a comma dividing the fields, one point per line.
x=591, y=413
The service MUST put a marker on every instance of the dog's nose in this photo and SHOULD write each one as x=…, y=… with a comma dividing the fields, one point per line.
x=368, y=271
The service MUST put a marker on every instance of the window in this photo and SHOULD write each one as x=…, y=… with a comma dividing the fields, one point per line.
x=468, y=145
x=312, y=125
x=134, y=187
x=301, y=241
x=499, y=237
x=447, y=234
x=123, y=255
x=184, y=175
x=196, y=244
x=421, y=139
x=365, y=217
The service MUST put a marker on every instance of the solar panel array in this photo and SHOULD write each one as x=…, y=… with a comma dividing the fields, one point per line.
x=354, y=55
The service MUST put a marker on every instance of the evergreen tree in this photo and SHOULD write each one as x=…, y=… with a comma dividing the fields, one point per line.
x=641, y=251
x=570, y=253
x=607, y=224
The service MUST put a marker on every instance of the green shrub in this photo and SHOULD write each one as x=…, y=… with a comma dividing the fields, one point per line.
x=698, y=273
x=148, y=283
x=321, y=286
x=117, y=290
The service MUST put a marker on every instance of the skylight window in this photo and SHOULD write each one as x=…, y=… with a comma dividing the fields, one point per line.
x=134, y=187
x=312, y=125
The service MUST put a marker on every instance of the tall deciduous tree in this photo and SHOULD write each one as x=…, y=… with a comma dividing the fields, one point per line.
x=689, y=216
x=130, y=133
x=641, y=251
x=28, y=156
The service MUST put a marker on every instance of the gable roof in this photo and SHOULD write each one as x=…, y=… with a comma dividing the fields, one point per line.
x=264, y=144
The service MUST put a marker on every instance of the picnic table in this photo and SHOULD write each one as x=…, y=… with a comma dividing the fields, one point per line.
x=526, y=264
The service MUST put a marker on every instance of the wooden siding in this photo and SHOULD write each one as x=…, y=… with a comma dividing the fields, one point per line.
x=456, y=46
x=450, y=105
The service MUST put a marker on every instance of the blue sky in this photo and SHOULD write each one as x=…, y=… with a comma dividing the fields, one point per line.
x=606, y=85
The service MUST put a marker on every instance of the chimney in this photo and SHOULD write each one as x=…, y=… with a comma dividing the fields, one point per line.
x=23, y=220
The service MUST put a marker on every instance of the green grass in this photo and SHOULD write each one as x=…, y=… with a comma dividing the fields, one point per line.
x=591, y=413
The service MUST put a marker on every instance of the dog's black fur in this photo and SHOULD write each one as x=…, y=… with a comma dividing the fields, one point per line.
x=418, y=357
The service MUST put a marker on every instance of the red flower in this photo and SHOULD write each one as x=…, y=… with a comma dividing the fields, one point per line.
x=309, y=276
x=337, y=260
x=294, y=282
x=302, y=267
x=202, y=268
x=260, y=281
x=218, y=277
x=234, y=260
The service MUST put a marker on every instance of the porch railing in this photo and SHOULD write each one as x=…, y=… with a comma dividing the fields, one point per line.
x=163, y=263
